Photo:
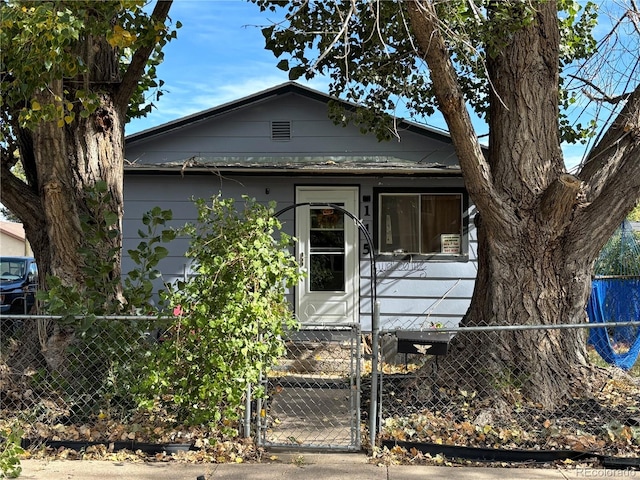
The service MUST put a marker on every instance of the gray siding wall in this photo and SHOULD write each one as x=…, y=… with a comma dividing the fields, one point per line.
x=412, y=293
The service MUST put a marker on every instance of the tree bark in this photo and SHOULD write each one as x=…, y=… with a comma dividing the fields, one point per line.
x=523, y=282
x=64, y=161
x=533, y=216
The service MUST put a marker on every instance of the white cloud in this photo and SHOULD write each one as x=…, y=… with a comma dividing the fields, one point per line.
x=218, y=57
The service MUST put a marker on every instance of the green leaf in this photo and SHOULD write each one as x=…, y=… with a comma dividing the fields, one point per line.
x=296, y=72
x=267, y=32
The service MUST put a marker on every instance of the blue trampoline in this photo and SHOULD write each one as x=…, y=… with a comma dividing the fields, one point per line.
x=615, y=297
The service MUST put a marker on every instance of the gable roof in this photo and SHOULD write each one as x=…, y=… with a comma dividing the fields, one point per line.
x=184, y=144
x=282, y=89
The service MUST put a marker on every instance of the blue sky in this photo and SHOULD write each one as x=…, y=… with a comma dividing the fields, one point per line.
x=219, y=57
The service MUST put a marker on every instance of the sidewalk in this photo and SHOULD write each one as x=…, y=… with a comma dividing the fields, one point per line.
x=291, y=466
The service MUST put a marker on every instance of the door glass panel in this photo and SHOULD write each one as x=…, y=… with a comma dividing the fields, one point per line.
x=326, y=250
x=333, y=241
x=326, y=273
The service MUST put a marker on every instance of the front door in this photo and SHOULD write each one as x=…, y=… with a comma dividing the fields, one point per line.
x=328, y=251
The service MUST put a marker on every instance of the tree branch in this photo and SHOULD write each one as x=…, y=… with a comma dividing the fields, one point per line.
x=139, y=60
x=17, y=196
x=605, y=97
x=475, y=168
x=607, y=154
x=612, y=173
x=558, y=200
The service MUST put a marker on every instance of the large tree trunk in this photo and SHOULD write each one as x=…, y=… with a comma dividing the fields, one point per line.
x=63, y=161
x=70, y=161
x=523, y=282
x=63, y=164
x=535, y=250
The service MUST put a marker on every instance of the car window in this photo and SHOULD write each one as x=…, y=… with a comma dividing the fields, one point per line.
x=11, y=270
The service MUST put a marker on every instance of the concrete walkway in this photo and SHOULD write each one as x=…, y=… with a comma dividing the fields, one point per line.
x=292, y=466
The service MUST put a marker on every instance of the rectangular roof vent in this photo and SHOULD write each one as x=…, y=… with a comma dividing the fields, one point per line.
x=281, y=130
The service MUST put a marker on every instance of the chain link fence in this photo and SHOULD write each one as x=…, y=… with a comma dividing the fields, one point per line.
x=470, y=388
x=313, y=393
x=58, y=384
x=63, y=386
x=459, y=387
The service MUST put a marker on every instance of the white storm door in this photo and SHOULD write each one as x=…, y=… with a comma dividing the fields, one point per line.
x=328, y=251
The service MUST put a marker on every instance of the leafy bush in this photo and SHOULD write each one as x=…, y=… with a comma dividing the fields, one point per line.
x=10, y=452
x=230, y=315
x=107, y=372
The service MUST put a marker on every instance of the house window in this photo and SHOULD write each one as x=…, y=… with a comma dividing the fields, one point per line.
x=420, y=223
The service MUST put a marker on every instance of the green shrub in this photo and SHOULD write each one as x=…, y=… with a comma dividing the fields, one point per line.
x=231, y=313
x=10, y=451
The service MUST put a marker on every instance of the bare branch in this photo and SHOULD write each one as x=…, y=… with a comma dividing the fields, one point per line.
x=605, y=97
x=634, y=16
x=624, y=130
x=343, y=31
x=612, y=172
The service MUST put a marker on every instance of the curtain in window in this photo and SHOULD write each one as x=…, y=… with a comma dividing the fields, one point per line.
x=400, y=222
x=441, y=214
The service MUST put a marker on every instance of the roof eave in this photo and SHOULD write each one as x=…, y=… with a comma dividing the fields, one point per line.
x=325, y=170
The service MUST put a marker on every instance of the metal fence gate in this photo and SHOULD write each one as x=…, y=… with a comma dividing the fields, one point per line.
x=313, y=393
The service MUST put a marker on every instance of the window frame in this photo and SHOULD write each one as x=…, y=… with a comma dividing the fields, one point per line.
x=377, y=223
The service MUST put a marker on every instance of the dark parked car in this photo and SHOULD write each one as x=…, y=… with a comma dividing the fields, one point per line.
x=18, y=284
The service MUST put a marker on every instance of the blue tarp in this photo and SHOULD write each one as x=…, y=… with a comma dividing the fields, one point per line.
x=615, y=299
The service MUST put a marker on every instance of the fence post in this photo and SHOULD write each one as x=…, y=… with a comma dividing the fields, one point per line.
x=375, y=341
x=247, y=413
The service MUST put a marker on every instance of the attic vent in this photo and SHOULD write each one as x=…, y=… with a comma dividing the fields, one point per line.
x=281, y=131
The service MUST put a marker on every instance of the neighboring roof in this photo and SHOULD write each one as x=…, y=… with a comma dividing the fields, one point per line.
x=635, y=226
x=13, y=229
x=282, y=89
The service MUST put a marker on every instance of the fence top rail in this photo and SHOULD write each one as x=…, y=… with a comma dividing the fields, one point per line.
x=328, y=326
x=493, y=328
x=98, y=317
x=343, y=327
x=617, y=277
x=302, y=327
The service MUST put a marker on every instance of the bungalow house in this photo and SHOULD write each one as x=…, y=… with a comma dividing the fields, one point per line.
x=279, y=145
